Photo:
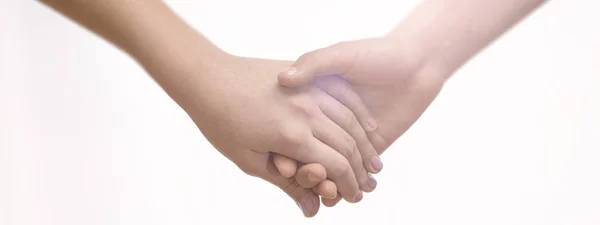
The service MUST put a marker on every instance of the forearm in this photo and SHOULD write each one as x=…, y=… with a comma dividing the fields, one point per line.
x=446, y=34
x=148, y=31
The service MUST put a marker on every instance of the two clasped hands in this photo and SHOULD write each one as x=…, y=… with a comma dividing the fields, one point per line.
x=314, y=127
x=334, y=126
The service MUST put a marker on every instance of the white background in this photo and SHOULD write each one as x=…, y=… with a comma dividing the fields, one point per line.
x=86, y=137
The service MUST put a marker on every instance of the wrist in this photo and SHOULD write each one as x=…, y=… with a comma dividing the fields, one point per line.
x=417, y=57
x=185, y=71
x=174, y=54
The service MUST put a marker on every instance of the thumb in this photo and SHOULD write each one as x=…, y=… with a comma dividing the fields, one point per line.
x=305, y=198
x=332, y=60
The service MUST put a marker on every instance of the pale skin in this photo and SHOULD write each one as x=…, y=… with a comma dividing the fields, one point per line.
x=238, y=105
x=398, y=75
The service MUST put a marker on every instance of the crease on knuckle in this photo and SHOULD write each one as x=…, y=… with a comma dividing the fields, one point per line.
x=348, y=149
x=292, y=186
x=350, y=146
x=349, y=120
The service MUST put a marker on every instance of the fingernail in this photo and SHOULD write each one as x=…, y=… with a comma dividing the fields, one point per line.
x=313, y=178
x=358, y=197
x=290, y=71
x=371, y=125
x=372, y=183
x=376, y=163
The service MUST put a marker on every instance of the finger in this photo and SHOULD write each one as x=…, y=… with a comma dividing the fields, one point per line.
x=310, y=175
x=344, y=118
x=285, y=166
x=337, y=167
x=337, y=138
x=305, y=198
x=314, y=176
x=378, y=142
x=326, y=189
x=331, y=60
x=331, y=202
x=342, y=91
x=254, y=164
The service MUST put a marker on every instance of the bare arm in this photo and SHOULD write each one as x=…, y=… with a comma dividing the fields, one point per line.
x=400, y=74
x=234, y=101
x=438, y=37
x=446, y=33
x=151, y=33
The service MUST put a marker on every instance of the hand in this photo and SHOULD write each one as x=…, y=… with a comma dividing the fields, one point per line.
x=391, y=80
x=392, y=83
x=245, y=114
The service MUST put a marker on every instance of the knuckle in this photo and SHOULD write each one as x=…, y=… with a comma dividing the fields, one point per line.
x=292, y=135
x=340, y=169
x=351, y=147
x=291, y=186
x=348, y=119
x=301, y=105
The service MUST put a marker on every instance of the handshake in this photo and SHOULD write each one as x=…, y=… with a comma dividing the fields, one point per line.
x=314, y=127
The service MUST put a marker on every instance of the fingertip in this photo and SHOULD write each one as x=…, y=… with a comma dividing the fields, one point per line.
x=310, y=175
x=327, y=189
x=293, y=77
x=316, y=172
x=355, y=198
x=309, y=205
x=331, y=202
x=287, y=167
x=287, y=173
x=358, y=197
x=371, y=183
x=370, y=125
x=287, y=77
x=376, y=164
